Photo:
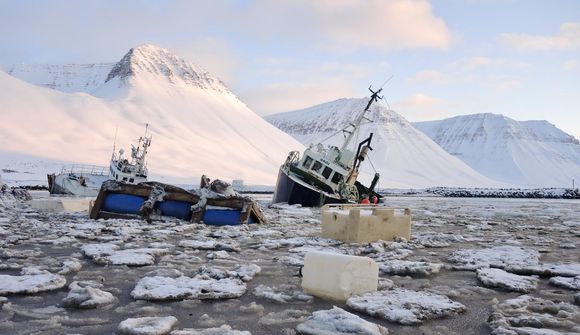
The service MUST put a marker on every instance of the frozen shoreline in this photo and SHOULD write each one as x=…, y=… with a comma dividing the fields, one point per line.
x=270, y=300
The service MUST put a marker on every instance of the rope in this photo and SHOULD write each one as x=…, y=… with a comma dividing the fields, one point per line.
x=373, y=166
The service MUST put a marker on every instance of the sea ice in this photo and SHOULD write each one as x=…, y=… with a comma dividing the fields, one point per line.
x=87, y=295
x=405, y=306
x=38, y=281
x=505, y=256
x=572, y=283
x=147, y=325
x=409, y=268
x=198, y=287
x=338, y=321
x=223, y=330
x=210, y=245
x=262, y=291
x=498, y=278
x=531, y=315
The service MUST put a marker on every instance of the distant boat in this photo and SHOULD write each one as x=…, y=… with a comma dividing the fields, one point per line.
x=327, y=174
x=86, y=180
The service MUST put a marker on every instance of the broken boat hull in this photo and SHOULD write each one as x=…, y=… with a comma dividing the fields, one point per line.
x=293, y=190
x=118, y=200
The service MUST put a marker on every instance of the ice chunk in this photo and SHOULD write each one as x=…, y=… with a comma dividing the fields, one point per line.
x=97, y=250
x=409, y=268
x=572, y=283
x=339, y=321
x=147, y=325
x=405, y=306
x=87, y=295
x=262, y=291
x=496, y=256
x=223, y=330
x=69, y=266
x=31, y=283
x=530, y=315
x=210, y=245
x=198, y=287
x=498, y=278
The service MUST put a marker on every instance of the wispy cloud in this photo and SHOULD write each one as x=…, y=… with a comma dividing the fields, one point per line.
x=349, y=25
x=430, y=77
x=567, y=38
x=422, y=107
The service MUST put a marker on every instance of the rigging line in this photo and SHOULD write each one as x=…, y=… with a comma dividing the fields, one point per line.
x=373, y=166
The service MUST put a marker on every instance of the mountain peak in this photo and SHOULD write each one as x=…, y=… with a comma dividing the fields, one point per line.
x=150, y=60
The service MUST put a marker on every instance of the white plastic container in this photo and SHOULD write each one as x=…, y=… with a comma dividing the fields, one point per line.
x=337, y=277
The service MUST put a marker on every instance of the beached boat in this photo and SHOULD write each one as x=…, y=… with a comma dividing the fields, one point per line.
x=153, y=201
x=86, y=180
x=327, y=174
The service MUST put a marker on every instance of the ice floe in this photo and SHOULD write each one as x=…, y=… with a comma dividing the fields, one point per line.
x=409, y=268
x=147, y=325
x=87, y=295
x=338, y=321
x=31, y=282
x=531, y=315
x=210, y=244
x=571, y=283
x=223, y=330
x=498, y=278
x=198, y=287
x=497, y=256
x=405, y=306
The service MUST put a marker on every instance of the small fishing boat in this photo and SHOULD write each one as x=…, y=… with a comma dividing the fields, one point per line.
x=327, y=174
x=153, y=201
x=86, y=180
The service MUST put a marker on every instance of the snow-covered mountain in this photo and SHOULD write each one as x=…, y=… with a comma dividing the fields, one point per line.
x=403, y=156
x=65, y=78
x=199, y=126
x=526, y=153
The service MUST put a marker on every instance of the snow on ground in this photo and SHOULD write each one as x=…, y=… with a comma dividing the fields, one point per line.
x=257, y=288
x=405, y=306
x=338, y=321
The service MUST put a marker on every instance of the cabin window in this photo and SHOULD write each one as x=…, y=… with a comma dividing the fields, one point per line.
x=316, y=166
x=326, y=172
x=131, y=180
x=124, y=178
x=307, y=162
x=336, y=178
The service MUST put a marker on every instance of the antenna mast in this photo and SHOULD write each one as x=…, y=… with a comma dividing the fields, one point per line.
x=374, y=97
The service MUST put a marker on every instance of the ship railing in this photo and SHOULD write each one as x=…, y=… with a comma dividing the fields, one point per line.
x=83, y=169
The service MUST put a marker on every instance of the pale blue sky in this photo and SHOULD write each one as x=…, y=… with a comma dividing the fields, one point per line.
x=520, y=58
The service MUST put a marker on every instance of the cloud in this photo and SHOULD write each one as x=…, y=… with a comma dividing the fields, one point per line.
x=421, y=107
x=428, y=76
x=349, y=25
x=277, y=98
x=567, y=38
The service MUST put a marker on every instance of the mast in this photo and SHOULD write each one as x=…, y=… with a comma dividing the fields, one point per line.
x=356, y=124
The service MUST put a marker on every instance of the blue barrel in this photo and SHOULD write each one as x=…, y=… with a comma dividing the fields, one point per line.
x=218, y=217
x=177, y=209
x=122, y=203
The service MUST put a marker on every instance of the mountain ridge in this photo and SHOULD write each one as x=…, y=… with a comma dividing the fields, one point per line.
x=532, y=153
